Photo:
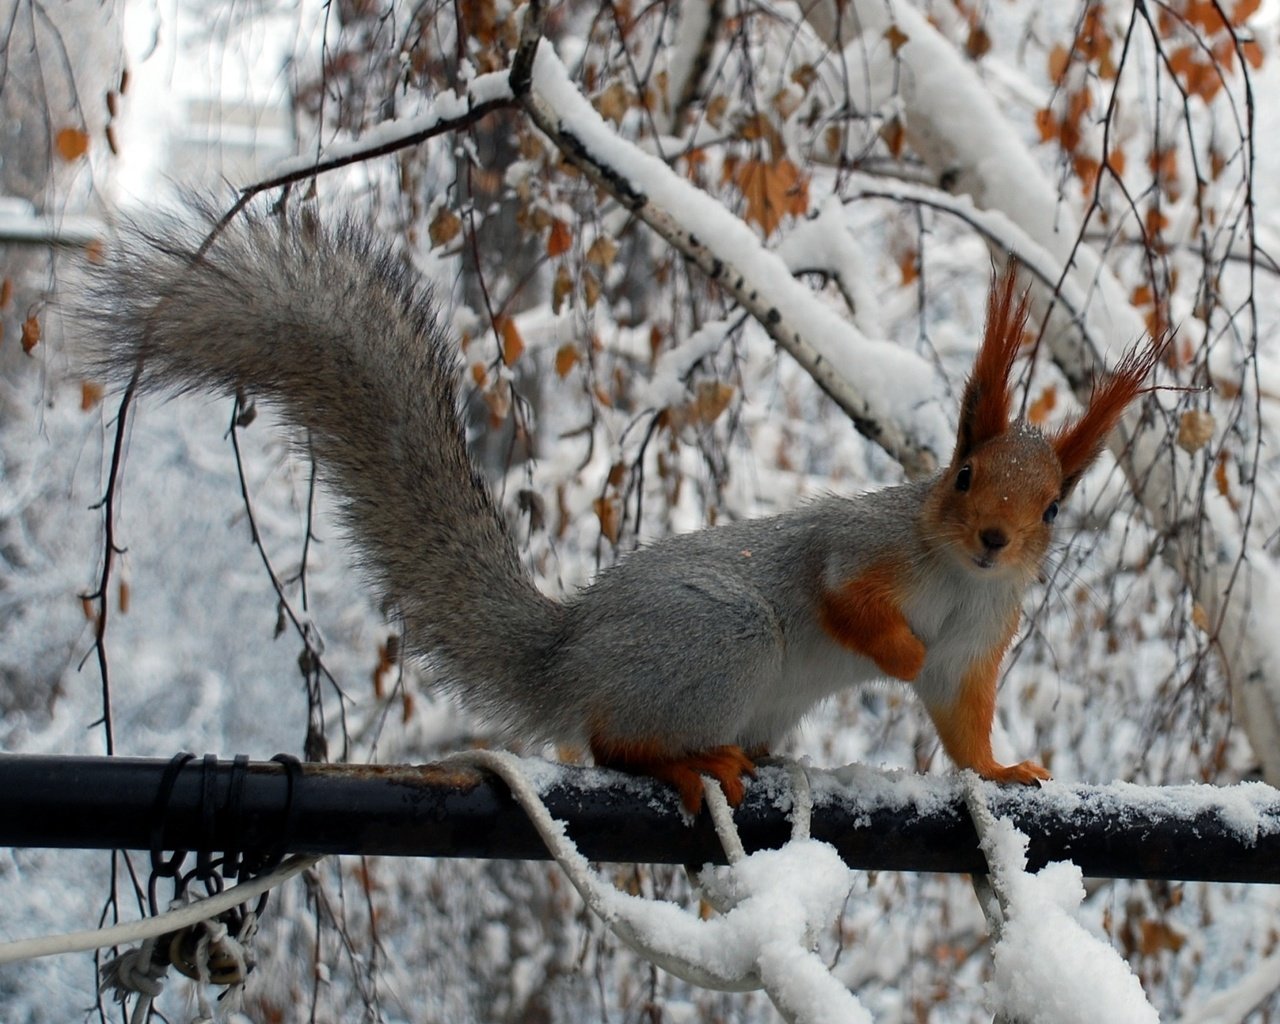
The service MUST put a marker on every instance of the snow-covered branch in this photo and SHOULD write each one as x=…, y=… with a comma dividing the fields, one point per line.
x=869, y=379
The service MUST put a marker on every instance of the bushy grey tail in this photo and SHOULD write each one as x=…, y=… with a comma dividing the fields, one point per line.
x=333, y=328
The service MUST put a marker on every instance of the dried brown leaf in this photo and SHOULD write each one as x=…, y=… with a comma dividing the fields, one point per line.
x=30, y=334
x=444, y=227
x=90, y=394
x=1038, y=412
x=561, y=288
x=567, y=357
x=897, y=38
x=1195, y=430
x=609, y=513
x=559, y=239
x=512, y=342
x=71, y=144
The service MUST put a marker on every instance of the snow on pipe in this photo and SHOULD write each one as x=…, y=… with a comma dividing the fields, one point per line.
x=875, y=820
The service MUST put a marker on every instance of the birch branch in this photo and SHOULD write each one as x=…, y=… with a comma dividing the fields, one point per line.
x=859, y=374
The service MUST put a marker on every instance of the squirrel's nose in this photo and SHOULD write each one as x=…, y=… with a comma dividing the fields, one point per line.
x=993, y=538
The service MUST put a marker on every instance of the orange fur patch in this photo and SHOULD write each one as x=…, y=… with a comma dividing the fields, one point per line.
x=965, y=728
x=728, y=765
x=864, y=615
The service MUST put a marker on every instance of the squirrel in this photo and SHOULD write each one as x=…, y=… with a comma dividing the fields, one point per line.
x=692, y=656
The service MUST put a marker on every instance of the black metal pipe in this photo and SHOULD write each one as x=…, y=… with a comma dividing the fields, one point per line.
x=876, y=821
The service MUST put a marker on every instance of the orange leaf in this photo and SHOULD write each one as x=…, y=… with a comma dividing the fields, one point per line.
x=567, y=357
x=559, y=240
x=1164, y=165
x=1039, y=410
x=1086, y=169
x=602, y=252
x=771, y=191
x=561, y=288
x=1244, y=10
x=713, y=398
x=1079, y=103
x=909, y=267
x=613, y=103
x=978, y=44
x=1252, y=50
x=1142, y=295
x=1116, y=162
x=1205, y=81
x=444, y=227
x=30, y=334
x=894, y=135
x=1205, y=14
x=1069, y=135
x=123, y=593
x=498, y=399
x=1059, y=61
x=479, y=375
x=590, y=288
x=71, y=144
x=6, y=292
x=1200, y=618
x=512, y=343
x=90, y=394
x=610, y=517
x=1046, y=124
x=1157, y=936
x=1182, y=61
x=897, y=38
x=1220, y=476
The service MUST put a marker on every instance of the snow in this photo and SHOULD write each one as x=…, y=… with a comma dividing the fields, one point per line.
x=1048, y=969
x=434, y=112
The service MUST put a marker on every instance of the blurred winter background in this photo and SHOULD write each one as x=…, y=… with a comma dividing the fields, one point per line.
x=1153, y=124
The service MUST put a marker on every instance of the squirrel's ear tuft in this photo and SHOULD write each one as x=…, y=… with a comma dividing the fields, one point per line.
x=1081, y=441
x=984, y=410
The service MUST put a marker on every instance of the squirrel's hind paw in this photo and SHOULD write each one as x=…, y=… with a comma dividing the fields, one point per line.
x=728, y=765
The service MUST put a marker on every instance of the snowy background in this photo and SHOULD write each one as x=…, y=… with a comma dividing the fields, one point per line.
x=880, y=171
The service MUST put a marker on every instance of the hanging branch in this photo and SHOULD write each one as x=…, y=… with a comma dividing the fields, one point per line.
x=729, y=253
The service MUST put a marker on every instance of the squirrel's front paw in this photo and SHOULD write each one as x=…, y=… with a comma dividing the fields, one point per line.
x=901, y=655
x=1025, y=773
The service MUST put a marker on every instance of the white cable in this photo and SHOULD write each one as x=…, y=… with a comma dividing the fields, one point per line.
x=161, y=924
x=603, y=900
x=802, y=797
x=722, y=818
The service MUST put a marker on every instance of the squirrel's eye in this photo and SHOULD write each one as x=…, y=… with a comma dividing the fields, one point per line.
x=964, y=478
x=1051, y=513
